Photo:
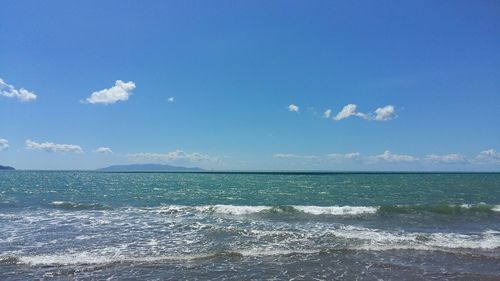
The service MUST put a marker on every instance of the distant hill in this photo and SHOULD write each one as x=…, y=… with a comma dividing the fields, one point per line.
x=6, y=168
x=148, y=168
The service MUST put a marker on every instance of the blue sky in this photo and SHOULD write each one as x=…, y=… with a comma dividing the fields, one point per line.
x=251, y=82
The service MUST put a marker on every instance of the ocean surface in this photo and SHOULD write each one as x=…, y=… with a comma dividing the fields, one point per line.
x=249, y=226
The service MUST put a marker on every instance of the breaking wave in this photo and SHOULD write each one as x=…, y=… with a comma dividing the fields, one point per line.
x=66, y=205
x=360, y=239
x=445, y=209
x=247, y=210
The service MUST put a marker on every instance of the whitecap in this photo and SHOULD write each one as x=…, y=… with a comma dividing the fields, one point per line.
x=337, y=210
x=232, y=209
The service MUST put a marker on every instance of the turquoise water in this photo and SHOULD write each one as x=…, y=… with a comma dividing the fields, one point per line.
x=155, y=189
x=237, y=226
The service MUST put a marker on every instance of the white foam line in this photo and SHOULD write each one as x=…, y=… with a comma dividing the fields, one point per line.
x=246, y=210
x=337, y=210
x=232, y=209
x=91, y=258
x=368, y=239
x=57, y=203
x=377, y=239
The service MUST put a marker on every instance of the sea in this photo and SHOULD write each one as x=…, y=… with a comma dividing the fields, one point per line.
x=79, y=225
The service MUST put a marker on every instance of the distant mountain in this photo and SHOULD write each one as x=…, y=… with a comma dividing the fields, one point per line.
x=148, y=168
x=6, y=168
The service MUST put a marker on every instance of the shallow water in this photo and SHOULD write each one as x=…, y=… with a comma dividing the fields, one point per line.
x=90, y=225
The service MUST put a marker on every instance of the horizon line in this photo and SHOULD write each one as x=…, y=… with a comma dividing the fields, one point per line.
x=267, y=171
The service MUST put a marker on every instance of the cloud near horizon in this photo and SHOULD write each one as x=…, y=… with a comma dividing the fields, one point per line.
x=103, y=150
x=388, y=156
x=294, y=156
x=488, y=156
x=4, y=144
x=344, y=156
x=121, y=91
x=172, y=156
x=10, y=91
x=447, y=158
x=53, y=147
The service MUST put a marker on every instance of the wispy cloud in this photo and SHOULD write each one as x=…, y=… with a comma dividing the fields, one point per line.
x=344, y=156
x=488, y=156
x=171, y=99
x=172, y=156
x=103, y=150
x=10, y=91
x=327, y=113
x=446, y=159
x=120, y=92
x=53, y=147
x=293, y=108
x=293, y=156
x=4, y=144
x=388, y=156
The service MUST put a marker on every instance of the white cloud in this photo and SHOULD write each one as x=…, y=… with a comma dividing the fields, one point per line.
x=293, y=156
x=346, y=156
x=387, y=156
x=53, y=147
x=446, y=159
x=173, y=156
x=348, y=111
x=488, y=156
x=120, y=92
x=171, y=99
x=293, y=108
x=385, y=113
x=103, y=150
x=10, y=91
x=327, y=113
x=4, y=144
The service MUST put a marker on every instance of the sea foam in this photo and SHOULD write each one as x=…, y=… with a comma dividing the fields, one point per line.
x=369, y=239
x=337, y=210
x=247, y=210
